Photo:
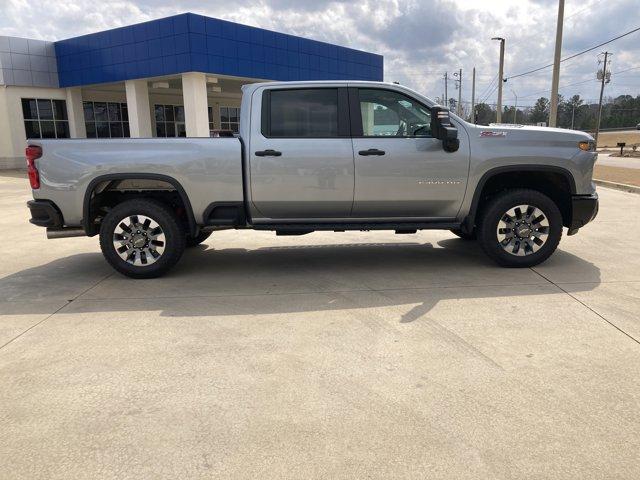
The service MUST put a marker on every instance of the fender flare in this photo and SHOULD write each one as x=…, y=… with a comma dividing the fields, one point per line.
x=86, y=207
x=470, y=219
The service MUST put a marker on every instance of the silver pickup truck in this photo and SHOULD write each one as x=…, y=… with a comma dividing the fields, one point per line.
x=319, y=156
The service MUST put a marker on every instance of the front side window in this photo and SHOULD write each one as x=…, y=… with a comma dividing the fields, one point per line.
x=391, y=114
x=303, y=113
x=230, y=119
x=106, y=119
x=45, y=118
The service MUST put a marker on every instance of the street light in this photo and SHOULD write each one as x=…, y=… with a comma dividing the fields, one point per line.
x=515, y=106
x=500, y=80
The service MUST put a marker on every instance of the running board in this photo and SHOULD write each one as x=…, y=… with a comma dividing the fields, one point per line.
x=303, y=228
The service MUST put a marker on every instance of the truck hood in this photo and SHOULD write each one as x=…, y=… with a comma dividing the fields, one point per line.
x=533, y=133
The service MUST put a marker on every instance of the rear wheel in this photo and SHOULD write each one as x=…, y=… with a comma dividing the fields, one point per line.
x=141, y=238
x=520, y=228
x=198, y=239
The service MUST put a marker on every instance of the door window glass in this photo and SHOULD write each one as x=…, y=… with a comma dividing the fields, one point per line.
x=391, y=114
x=303, y=113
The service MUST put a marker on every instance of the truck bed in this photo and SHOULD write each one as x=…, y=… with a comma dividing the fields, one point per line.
x=208, y=169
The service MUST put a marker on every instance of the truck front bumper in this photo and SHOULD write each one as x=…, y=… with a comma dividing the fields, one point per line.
x=45, y=213
x=584, y=208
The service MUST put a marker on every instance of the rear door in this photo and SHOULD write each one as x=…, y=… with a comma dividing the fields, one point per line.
x=401, y=171
x=300, y=154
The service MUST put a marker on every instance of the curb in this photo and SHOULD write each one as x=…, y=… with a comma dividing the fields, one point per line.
x=617, y=186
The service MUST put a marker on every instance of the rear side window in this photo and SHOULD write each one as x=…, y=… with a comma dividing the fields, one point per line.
x=304, y=113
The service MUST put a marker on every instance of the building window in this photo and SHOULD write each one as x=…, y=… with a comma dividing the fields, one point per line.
x=170, y=121
x=211, y=128
x=106, y=119
x=45, y=118
x=229, y=118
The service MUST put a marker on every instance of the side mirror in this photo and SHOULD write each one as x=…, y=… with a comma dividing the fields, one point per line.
x=443, y=129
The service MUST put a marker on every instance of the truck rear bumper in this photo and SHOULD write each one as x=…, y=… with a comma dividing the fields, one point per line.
x=45, y=213
x=584, y=209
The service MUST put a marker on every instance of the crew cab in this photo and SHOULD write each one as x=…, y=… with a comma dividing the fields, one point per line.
x=336, y=156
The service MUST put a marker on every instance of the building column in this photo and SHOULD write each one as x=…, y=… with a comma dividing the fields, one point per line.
x=194, y=94
x=138, y=108
x=75, y=112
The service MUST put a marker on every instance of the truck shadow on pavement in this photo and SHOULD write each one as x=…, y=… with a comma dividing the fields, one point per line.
x=289, y=279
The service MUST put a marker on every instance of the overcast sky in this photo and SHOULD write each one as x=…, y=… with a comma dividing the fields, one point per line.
x=420, y=40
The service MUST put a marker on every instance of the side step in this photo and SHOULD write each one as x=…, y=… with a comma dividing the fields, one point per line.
x=400, y=228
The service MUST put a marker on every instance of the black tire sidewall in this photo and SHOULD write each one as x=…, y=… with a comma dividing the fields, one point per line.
x=487, y=230
x=174, y=236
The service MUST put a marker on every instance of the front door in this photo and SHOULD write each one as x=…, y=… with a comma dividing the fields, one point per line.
x=401, y=171
x=301, y=159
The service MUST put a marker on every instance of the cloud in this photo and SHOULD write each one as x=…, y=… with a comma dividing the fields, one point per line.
x=420, y=39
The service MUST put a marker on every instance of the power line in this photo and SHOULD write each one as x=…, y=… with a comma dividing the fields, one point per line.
x=561, y=86
x=583, y=10
x=575, y=54
x=578, y=83
x=490, y=93
x=625, y=70
x=483, y=96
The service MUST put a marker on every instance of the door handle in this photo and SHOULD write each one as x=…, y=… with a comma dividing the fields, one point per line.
x=268, y=153
x=371, y=151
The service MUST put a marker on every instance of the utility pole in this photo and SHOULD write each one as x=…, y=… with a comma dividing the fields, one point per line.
x=573, y=114
x=473, y=96
x=459, y=87
x=604, y=80
x=515, y=106
x=446, y=92
x=500, y=79
x=553, y=109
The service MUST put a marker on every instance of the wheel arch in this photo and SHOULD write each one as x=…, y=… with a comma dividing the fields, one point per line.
x=87, y=217
x=491, y=178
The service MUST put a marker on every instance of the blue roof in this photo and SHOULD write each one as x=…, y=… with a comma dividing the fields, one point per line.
x=194, y=43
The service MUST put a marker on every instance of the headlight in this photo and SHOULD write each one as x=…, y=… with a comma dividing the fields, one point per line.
x=589, y=146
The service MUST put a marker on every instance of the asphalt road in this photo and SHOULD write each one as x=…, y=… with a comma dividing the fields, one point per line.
x=349, y=355
x=624, y=162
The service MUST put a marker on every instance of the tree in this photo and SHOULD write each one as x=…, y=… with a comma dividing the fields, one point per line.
x=571, y=112
x=485, y=114
x=540, y=111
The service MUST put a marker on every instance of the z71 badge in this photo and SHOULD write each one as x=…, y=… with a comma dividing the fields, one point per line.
x=490, y=133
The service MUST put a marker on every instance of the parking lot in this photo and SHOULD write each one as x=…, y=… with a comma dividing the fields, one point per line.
x=330, y=355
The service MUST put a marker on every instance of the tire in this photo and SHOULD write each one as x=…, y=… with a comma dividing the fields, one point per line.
x=150, y=253
x=198, y=239
x=515, y=238
x=463, y=235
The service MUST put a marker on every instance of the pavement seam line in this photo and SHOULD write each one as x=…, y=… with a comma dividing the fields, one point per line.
x=588, y=307
x=69, y=302
x=319, y=292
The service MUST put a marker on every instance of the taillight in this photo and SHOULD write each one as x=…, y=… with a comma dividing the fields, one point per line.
x=32, y=153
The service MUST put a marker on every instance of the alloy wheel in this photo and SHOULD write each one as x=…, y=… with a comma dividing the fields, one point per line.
x=139, y=240
x=523, y=230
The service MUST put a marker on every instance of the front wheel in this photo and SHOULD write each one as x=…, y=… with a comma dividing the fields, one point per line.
x=141, y=238
x=520, y=228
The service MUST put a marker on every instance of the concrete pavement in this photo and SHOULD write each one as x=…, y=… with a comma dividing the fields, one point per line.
x=346, y=355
